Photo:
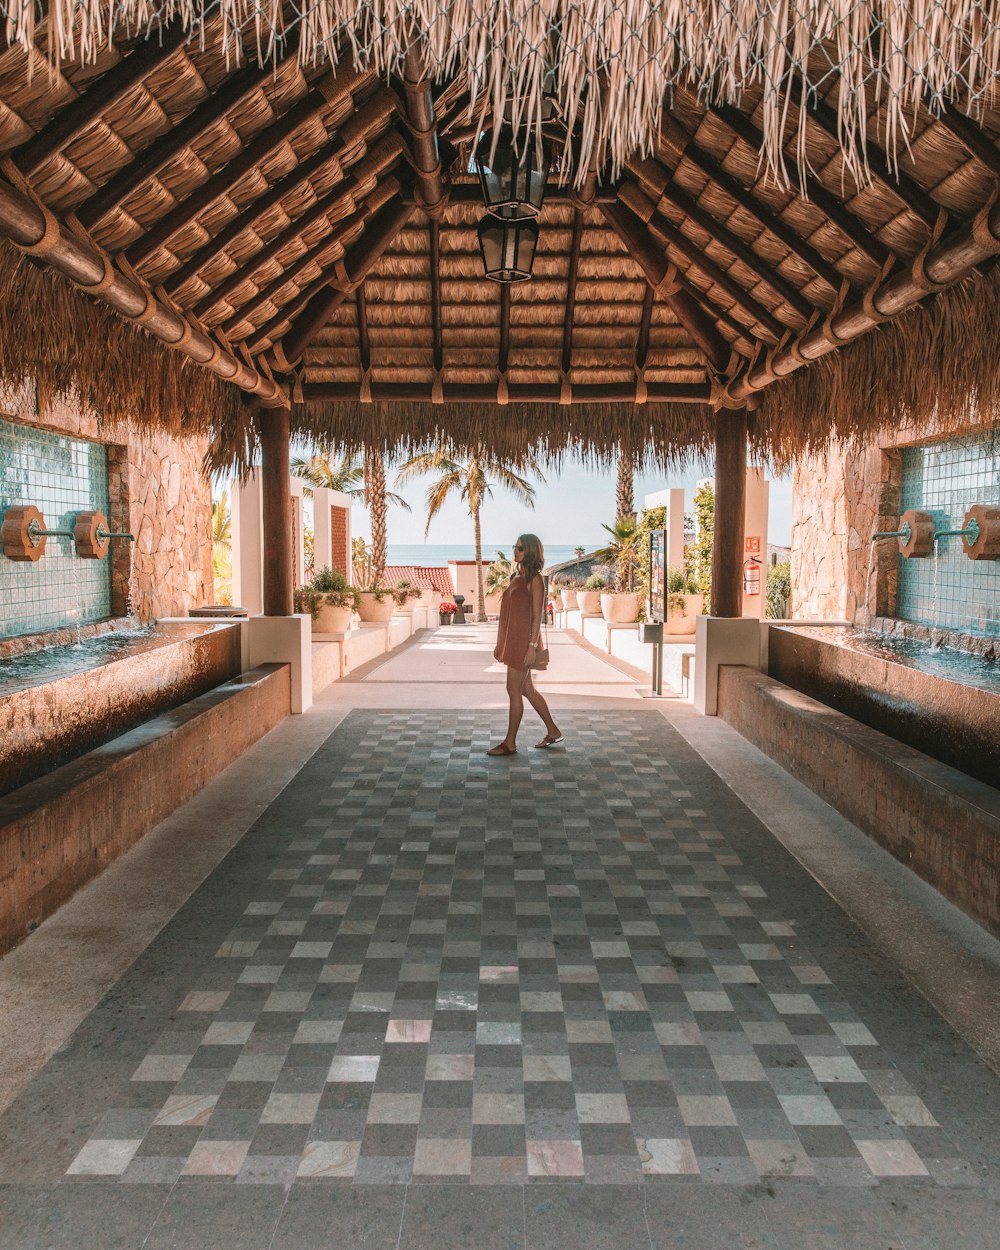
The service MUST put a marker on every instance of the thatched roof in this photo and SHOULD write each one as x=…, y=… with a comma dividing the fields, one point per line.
x=306, y=228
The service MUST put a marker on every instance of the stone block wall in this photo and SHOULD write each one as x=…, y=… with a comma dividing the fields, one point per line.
x=158, y=493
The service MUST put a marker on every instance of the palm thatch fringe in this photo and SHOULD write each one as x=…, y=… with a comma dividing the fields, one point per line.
x=78, y=348
x=932, y=371
x=611, y=66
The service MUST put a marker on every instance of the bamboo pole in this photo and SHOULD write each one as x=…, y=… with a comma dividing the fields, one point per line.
x=730, y=507
x=422, y=125
x=941, y=266
x=274, y=429
x=40, y=234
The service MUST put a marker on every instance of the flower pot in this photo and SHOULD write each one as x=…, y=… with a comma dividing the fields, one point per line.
x=620, y=608
x=568, y=597
x=331, y=620
x=445, y=617
x=682, y=620
x=588, y=601
x=373, y=611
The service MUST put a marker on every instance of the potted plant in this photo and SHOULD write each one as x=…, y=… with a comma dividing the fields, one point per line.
x=376, y=605
x=588, y=600
x=329, y=600
x=446, y=612
x=621, y=604
x=568, y=595
x=405, y=593
x=683, y=601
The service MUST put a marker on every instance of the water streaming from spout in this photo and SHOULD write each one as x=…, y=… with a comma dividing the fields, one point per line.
x=77, y=609
x=934, y=595
x=868, y=583
x=130, y=608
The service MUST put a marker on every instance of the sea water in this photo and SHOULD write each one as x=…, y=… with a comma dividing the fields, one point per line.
x=437, y=555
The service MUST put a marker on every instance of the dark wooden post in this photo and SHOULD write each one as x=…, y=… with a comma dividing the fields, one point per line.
x=730, y=505
x=273, y=424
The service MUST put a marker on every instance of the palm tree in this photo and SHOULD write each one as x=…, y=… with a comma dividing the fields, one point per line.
x=222, y=547
x=621, y=551
x=470, y=477
x=322, y=470
x=625, y=484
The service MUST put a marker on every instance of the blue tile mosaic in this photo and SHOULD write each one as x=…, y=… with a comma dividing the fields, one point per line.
x=946, y=479
x=61, y=476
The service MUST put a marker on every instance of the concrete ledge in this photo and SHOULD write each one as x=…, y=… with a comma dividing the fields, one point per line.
x=58, y=832
x=942, y=824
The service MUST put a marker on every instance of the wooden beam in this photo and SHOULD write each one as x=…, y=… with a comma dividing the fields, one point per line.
x=471, y=194
x=107, y=91
x=504, y=353
x=848, y=225
x=382, y=229
x=220, y=183
x=761, y=212
x=659, y=224
x=574, y=269
x=364, y=342
x=700, y=322
x=338, y=195
x=642, y=338
x=275, y=440
x=151, y=160
x=422, y=125
x=348, y=229
x=437, y=333
x=972, y=137
x=947, y=263
x=656, y=182
x=517, y=393
x=730, y=508
x=905, y=188
x=370, y=115
x=42, y=236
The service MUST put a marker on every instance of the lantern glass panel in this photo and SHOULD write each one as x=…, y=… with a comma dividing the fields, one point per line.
x=513, y=183
x=508, y=248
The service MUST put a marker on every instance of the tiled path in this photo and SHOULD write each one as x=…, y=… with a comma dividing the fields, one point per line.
x=577, y=998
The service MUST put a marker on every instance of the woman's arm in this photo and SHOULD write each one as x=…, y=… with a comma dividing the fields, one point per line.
x=537, y=589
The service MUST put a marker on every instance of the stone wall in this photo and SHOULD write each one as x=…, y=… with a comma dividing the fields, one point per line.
x=158, y=493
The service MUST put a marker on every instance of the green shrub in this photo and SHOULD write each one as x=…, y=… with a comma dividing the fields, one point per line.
x=328, y=588
x=595, y=583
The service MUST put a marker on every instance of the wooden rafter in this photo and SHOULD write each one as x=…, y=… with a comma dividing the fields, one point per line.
x=79, y=115
x=220, y=183
x=342, y=192
x=371, y=114
x=905, y=188
x=761, y=212
x=645, y=322
x=471, y=194
x=972, y=137
x=661, y=225
x=574, y=269
x=345, y=231
x=364, y=341
x=381, y=231
x=503, y=356
x=422, y=125
x=517, y=393
x=656, y=181
x=848, y=225
x=151, y=160
x=437, y=337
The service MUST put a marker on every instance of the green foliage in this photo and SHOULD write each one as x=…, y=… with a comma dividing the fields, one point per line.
x=680, y=582
x=499, y=573
x=328, y=580
x=322, y=470
x=328, y=588
x=595, y=583
x=621, y=552
x=222, y=549
x=650, y=520
x=362, y=564
x=699, y=562
x=779, y=590
x=404, y=591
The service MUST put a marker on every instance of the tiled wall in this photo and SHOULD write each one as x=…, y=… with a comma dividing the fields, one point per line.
x=945, y=479
x=61, y=476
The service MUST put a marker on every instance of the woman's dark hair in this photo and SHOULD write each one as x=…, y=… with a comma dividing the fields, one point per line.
x=532, y=555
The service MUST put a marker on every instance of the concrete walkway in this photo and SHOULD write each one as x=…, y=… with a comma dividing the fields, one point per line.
x=588, y=997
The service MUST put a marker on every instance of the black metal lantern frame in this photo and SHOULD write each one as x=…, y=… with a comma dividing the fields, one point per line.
x=513, y=182
x=507, y=247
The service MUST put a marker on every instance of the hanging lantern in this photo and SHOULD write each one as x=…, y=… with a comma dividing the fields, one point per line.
x=513, y=183
x=508, y=248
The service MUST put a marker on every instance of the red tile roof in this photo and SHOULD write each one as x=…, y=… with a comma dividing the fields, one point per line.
x=420, y=575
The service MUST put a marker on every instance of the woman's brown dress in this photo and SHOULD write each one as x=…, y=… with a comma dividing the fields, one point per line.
x=515, y=624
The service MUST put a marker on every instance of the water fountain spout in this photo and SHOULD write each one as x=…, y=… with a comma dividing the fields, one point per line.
x=915, y=534
x=970, y=532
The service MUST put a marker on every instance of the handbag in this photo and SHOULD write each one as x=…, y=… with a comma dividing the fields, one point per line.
x=542, y=653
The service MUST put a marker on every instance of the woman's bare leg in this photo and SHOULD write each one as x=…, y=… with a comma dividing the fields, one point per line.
x=515, y=686
x=540, y=706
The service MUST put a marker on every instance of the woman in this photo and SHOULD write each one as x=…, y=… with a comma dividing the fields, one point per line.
x=518, y=641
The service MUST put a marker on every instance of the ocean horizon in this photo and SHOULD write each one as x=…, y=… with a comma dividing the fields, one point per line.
x=437, y=555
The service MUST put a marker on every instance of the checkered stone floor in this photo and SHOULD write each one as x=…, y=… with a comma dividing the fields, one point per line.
x=430, y=966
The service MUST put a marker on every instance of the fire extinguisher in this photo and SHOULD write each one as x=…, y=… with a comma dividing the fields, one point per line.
x=751, y=576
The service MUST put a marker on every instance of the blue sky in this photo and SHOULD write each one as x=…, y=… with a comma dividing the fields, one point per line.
x=569, y=509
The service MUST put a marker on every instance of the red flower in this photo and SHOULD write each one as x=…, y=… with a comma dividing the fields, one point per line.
x=447, y=607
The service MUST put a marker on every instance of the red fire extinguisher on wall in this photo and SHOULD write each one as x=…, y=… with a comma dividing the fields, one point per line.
x=751, y=576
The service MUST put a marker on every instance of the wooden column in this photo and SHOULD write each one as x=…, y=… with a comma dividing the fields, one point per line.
x=277, y=508
x=730, y=505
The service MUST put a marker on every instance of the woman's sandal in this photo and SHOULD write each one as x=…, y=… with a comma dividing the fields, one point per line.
x=501, y=748
x=549, y=741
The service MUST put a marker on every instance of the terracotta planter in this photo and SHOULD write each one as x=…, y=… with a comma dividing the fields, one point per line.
x=331, y=620
x=588, y=601
x=372, y=611
x=620, y=609
x=681, y=621
x=568, y=597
